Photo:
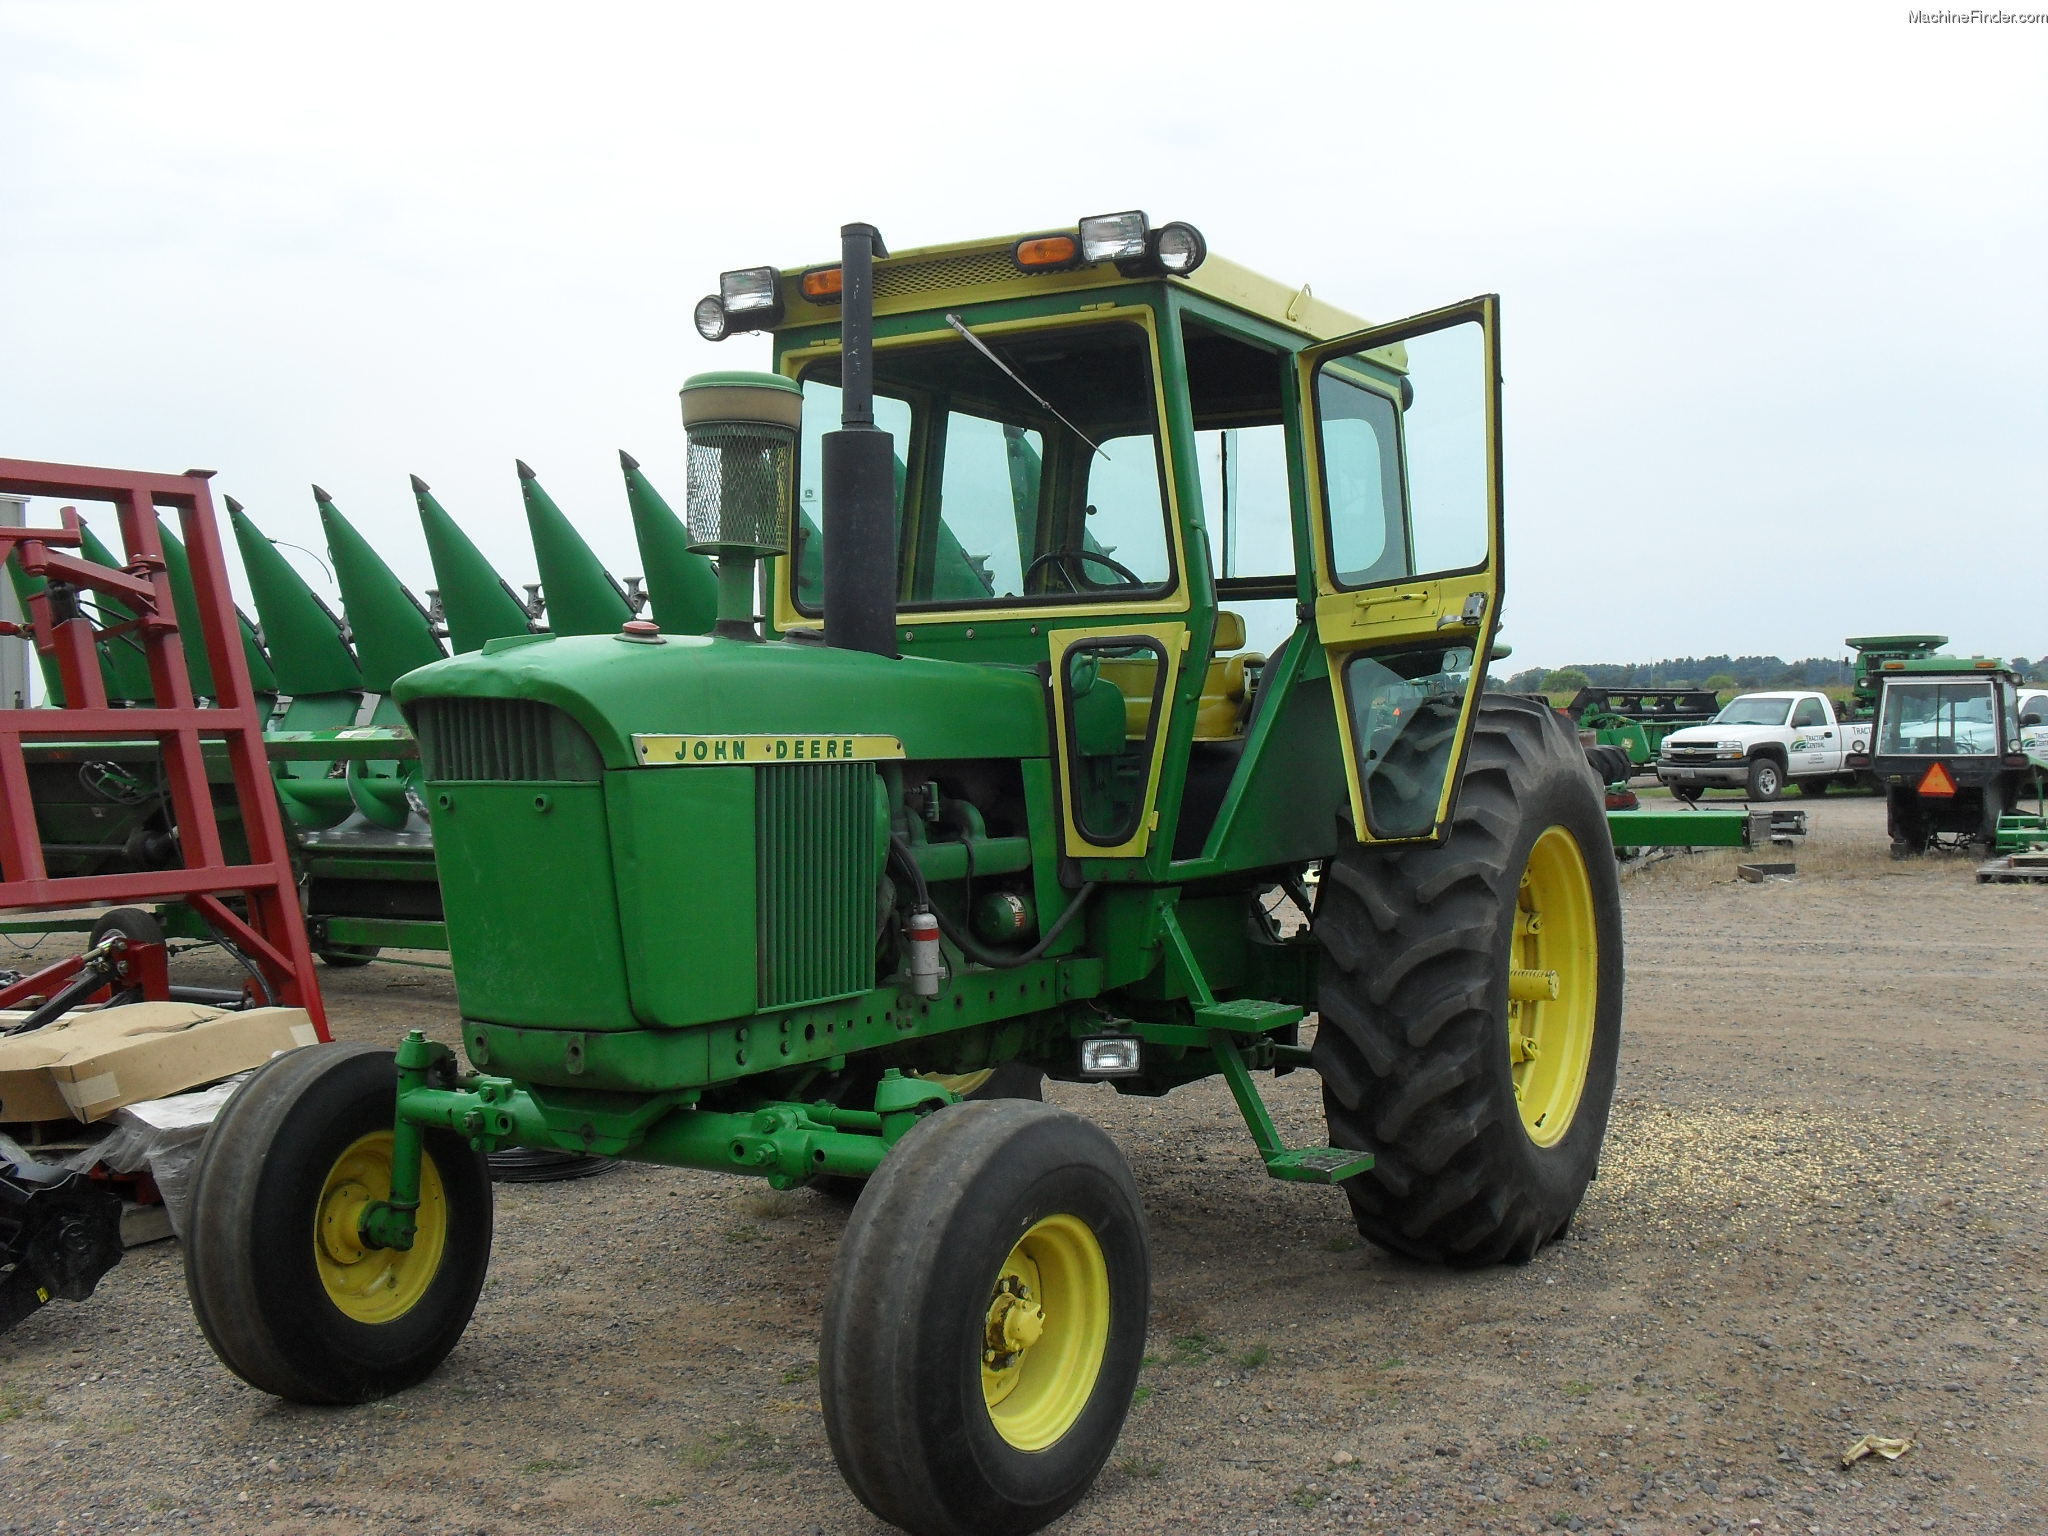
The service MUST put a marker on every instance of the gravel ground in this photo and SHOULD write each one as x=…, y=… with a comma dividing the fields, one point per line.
x=1821, y=1216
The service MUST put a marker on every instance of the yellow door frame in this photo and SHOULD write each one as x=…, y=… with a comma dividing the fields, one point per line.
x=1404, y=613
x=1171, y=636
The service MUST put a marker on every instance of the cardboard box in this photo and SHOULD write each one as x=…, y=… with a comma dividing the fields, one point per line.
x=88, y=1064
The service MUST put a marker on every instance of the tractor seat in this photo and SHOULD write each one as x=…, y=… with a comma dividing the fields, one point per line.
x=1226, y=688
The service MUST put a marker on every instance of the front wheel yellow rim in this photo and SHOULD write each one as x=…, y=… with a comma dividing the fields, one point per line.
x=1045, y=1333
x=1553, y=986
x=367, y=1284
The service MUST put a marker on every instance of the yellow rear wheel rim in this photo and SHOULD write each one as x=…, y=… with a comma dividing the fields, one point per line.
x=1553, y=986
x=1045, y=1333
x=375, y=1285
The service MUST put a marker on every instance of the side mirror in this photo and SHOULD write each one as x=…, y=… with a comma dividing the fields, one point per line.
x=2030, y=719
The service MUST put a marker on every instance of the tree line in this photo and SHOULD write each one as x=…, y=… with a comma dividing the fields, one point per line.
x=1717, y=672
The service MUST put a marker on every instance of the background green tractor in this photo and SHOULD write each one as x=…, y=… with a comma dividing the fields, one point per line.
x=1080, y=596
x=1949, y=749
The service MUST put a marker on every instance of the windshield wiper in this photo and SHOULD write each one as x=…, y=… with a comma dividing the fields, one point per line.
x=1015, y=378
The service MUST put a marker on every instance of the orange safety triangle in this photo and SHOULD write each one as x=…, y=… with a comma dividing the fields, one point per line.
x=1937, y=781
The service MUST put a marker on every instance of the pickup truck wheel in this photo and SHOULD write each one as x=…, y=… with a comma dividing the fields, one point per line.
x=1766, y=778
x=1470, y=1004
x=1815, y=787
x=985, y=1321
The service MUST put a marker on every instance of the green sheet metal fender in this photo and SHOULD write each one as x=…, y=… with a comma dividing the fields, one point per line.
x=617, y=689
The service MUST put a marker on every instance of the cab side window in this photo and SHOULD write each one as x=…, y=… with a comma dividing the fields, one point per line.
x=1808, y=713
x=1241, y=462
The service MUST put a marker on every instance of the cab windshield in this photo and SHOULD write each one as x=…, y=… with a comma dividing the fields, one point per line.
x=998, y=499
x=1950, y=719
x=1760, y=711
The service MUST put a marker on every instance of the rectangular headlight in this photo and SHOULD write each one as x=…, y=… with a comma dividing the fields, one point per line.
x=1110, y=1056
x=750, y=291
x=1113, y=237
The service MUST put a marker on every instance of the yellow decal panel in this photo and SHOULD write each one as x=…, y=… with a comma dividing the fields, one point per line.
x=725, y=751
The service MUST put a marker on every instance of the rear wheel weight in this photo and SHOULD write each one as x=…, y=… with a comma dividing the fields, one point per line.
x=1483, y=1098
x=986, y=1321
x=286, y=1292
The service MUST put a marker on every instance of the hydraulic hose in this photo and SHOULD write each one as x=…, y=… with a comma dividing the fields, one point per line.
x=900, y=850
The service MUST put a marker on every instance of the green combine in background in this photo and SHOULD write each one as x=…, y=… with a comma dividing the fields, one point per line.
x=969, y=779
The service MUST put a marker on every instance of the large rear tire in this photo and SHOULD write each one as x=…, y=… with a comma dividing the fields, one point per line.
x=291, y=1298
x=1484, y=1111
x=986, y=1321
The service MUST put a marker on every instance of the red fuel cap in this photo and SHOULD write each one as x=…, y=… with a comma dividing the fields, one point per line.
x=646, y=631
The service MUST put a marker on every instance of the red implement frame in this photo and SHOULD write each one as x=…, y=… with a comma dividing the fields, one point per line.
x=272, y=935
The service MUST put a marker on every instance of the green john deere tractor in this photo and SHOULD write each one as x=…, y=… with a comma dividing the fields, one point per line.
x=1951, y=748
x=1084, y=601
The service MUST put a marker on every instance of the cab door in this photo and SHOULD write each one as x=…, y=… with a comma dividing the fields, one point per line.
x=1402, y=450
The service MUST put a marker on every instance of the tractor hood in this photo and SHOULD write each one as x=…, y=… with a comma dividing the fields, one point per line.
x=617, y=688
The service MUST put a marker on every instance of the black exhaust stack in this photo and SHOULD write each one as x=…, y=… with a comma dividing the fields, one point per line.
x=860, y=471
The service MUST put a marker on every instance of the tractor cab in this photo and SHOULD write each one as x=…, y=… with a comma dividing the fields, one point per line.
x=1949, y=748
x=1178, y=490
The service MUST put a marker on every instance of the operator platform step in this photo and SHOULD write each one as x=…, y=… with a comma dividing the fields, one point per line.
x=1318, y=1165
x=1248, y=1016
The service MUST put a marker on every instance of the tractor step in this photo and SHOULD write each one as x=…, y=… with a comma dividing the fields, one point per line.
x=1247, y=1016
x=1318, y=1165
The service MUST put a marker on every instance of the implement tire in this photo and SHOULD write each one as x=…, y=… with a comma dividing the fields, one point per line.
x=285, y=1292
x=1483, y=1150
x=986, y=1321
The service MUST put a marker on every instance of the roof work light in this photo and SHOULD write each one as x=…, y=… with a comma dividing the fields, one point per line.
x=749, y=299
x=1113, y=237
x=1127, y=239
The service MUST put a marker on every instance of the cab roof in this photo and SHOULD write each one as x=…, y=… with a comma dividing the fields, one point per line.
x=1946, y=666
x=976, y=271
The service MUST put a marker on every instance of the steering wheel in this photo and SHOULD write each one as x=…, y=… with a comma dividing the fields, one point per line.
x=1069, y=561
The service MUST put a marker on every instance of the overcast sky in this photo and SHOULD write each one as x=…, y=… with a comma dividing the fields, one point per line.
x=1772, y=276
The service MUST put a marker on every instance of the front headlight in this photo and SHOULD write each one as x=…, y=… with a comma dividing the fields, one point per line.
x=1727, y=746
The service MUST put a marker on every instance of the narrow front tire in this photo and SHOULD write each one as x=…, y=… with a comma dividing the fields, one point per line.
x=986, y=1321
x=287, y=1290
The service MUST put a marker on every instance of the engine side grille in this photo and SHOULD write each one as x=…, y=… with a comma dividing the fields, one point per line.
x=815, y=850
x=503, y=740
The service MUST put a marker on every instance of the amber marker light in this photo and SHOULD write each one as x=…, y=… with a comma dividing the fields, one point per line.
x=822, y=285
x=1042, y=251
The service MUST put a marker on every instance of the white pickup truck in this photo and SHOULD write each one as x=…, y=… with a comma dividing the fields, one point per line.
x=1760, y=742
